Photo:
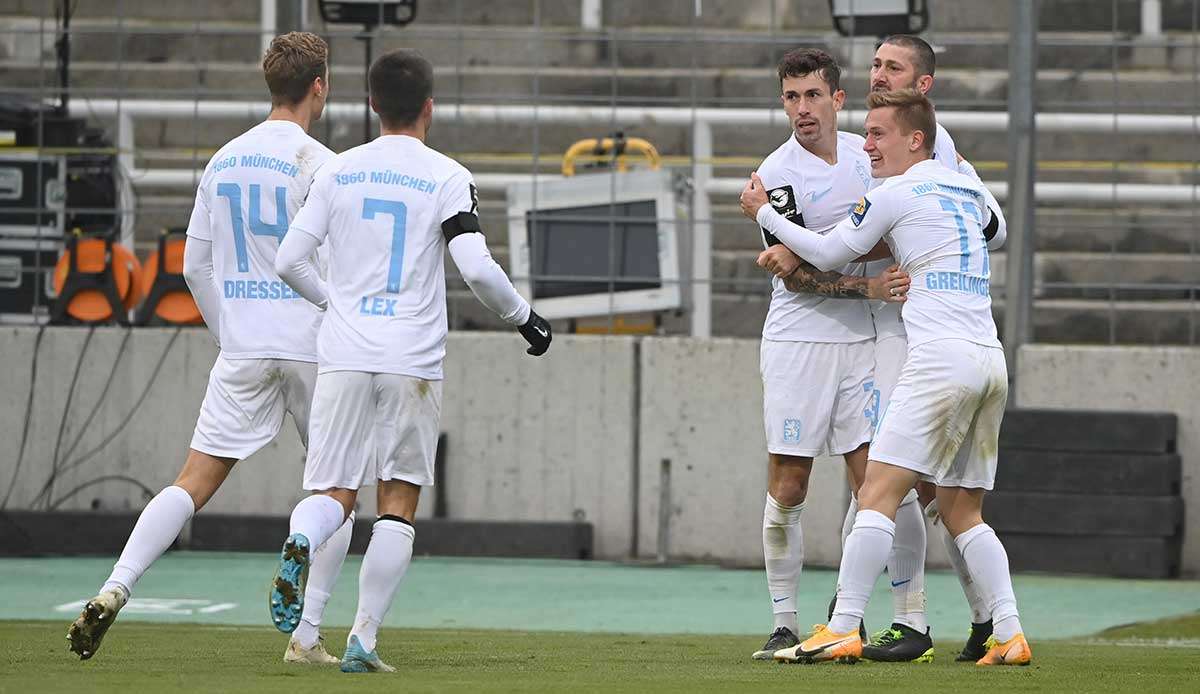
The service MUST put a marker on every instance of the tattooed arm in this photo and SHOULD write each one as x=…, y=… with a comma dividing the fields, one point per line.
x=802, y=277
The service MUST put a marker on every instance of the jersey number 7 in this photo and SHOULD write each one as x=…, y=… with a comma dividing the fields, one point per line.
x=233, y=193
x=399, y=212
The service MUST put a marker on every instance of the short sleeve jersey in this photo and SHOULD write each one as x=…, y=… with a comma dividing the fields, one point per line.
x=379, y=209
x=248, y=194
x=887, y=316
x=812, y=193
x=933, y=218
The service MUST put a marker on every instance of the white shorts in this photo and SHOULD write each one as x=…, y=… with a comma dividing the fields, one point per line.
x=369, y=426
x=817, y=396
x=890, y=353
x=944, y=418
x=245, y=401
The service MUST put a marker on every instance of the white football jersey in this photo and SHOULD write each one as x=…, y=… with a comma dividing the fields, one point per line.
x=933, y=218
x=887, y=316
x=812, y=193
x=379, y=209
x=250, y=190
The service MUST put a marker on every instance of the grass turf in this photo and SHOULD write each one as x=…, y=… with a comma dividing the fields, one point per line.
x=1183, y=628
x=166, y=657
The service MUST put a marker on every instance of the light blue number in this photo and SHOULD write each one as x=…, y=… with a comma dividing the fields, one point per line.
x=233, y=193
x=964, y=248
x=399, y=212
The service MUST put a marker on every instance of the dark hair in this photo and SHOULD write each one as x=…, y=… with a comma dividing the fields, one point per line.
x=913, y=111
x=291, y=63
x=923, y=58
x=805, y=61
x=400, y=83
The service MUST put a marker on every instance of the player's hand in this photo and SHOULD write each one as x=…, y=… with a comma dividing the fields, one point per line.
x=536, y=332
x=891, y=286
x=754, y=196
x=779, y=261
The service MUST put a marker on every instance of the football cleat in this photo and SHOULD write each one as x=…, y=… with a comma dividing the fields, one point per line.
x=86, y=632
x=285, y=599
x=862, y=626
x=822, y=646
x=1014, y=651
x=356, y=659
x=899, y=643
x=779, y=639
x=316, y=655
x=976, y=644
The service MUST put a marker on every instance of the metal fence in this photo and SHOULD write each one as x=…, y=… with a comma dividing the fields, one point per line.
x=1117, y=93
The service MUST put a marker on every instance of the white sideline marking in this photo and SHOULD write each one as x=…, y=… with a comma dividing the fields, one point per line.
x=160, y=606
x=1141, y=642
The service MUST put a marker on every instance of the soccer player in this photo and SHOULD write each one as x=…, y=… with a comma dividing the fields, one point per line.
x=817, y=357
x=267, y=333
x=908, y=62
x=944, y=420
x=387, y=210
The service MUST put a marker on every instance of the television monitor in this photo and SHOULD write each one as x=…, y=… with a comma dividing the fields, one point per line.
x=595, y=244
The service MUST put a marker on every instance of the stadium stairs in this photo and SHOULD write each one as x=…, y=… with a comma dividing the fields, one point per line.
x=1095, y=262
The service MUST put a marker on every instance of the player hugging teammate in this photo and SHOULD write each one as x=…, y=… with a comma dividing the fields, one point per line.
x=792, y=183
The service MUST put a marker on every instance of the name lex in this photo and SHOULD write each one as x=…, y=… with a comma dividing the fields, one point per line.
x=377, y=306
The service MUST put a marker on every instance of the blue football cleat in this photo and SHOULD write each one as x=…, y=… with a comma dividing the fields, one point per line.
x=286, y=597
x=356, y=659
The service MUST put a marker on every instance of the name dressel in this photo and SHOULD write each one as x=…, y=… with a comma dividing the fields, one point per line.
x=387, y=178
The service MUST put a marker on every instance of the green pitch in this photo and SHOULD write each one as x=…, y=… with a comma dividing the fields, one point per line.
x=141, y=657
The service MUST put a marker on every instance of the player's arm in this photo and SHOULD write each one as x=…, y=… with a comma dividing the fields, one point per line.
x=295, y=261
x=802, y=277
x=995, y=227
x=486, y=279
x=824, y=252
x=198, y=271
x=295, y=264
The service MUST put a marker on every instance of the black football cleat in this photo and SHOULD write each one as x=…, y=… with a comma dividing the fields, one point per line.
x=900, y=643
x=779, y=639
x=976, y=645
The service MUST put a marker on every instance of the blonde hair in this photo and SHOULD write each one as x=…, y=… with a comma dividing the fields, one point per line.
x=913, y=111
x=291, y=63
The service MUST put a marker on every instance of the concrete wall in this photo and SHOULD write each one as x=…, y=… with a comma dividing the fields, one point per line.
x=1153, y=379
x=528, y=439
x=702, y=411
x=557, y=438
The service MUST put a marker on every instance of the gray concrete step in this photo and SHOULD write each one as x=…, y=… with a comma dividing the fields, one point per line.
x=1096, y=90
x=222, y=39
x=961, y=15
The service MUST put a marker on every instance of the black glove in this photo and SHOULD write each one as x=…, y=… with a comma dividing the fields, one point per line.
x=536, y=332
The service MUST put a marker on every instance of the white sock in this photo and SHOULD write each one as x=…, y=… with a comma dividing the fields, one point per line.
x=155, y=531
x=317, y=518
x=848, y=521
x=906, y=565
x=783, y=553
x=979, y=608
x=322, y=575
x=383, y=567
x=988, y=564
x=863, y=559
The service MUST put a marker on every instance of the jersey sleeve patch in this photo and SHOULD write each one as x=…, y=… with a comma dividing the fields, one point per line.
x=783, y=200
x=860, y=211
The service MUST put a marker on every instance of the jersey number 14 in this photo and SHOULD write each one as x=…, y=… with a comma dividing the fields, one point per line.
x=233, y=193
